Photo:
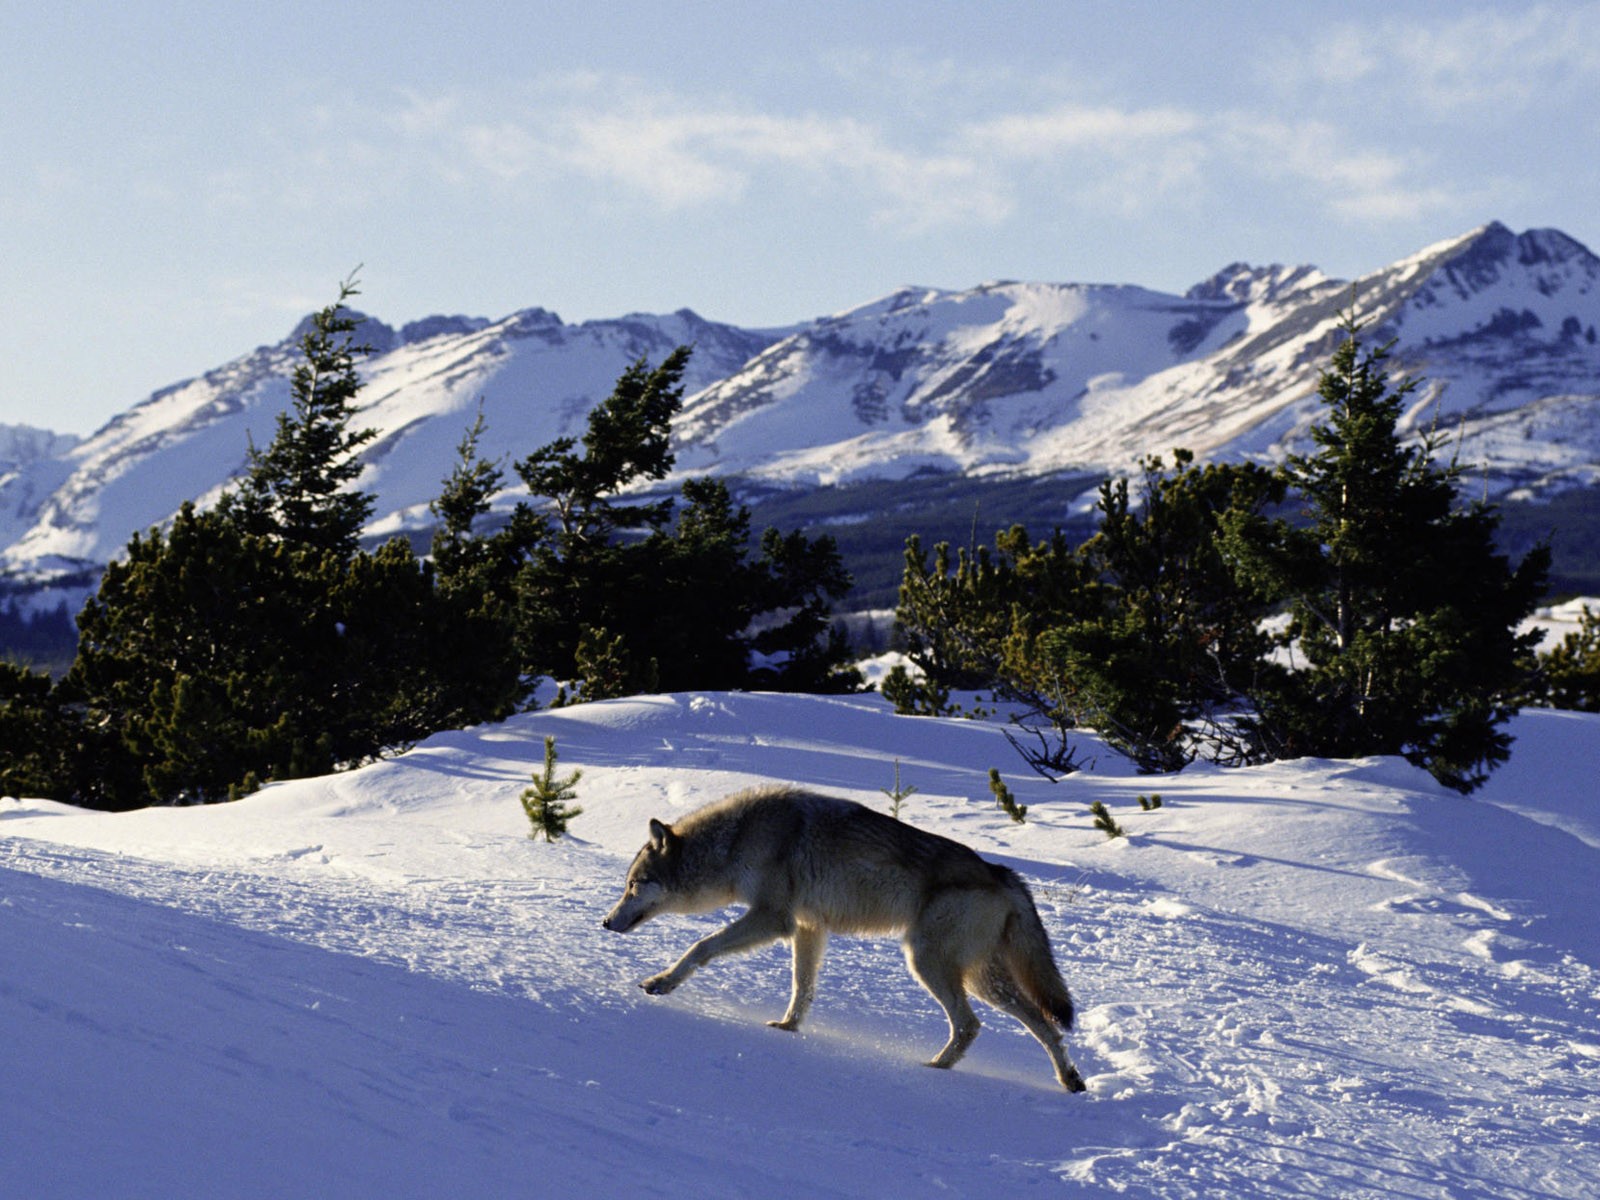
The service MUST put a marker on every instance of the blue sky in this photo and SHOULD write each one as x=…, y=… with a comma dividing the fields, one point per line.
x=181, y=182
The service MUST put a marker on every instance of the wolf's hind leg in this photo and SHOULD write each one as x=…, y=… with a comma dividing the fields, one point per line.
x=756, y=928
x=996, y=986
x=809, y=943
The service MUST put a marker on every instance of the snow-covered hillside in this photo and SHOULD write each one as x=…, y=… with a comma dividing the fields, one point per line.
x=31, y=467
x=1043, y=377
x=534, y=376
x=1008, y=377
x=1310, y=979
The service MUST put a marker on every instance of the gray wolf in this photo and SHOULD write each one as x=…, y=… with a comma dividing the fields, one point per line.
x=808, y=865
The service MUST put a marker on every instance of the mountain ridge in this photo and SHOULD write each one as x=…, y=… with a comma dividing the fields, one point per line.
x=1006, y=377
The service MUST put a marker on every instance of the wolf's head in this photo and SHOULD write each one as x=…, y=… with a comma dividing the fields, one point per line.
x=647, y=889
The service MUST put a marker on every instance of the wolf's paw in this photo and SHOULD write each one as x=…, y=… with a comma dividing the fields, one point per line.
x=791, y=1026
x=659, y=985
x=1073, y=1082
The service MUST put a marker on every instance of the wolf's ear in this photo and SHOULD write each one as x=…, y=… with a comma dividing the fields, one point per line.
x=661, y=836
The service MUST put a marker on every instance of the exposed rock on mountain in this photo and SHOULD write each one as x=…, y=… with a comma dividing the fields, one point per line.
x=1007, y=377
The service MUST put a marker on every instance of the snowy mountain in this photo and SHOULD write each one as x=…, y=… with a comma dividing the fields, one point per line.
x=1042, y=377
x=1009, y=377
x=1310, y=978
x=31, y=463
x=535, y=377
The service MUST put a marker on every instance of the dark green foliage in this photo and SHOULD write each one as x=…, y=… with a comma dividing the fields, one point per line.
x=1003, y=797
x=474, y=578
x=256, y=642
x=606, y=669
x=1569, y=524
x=914, y=696
x=953, y=622
x=960, y=627
x=797, y=581
x=465, y=496
x=1165, y=636
x=548, y=802
x=1114, y=676
x=1404, y=612
x=296, y=491
x=627, y=440
x=1166, y=567
x=217, y=655
x=409, y=658
x=35, y=732
x=1141, y=633
x=1569, y=674
x=1150, y=803
x=646, y=601
x=182, y=654
x=1105, y=822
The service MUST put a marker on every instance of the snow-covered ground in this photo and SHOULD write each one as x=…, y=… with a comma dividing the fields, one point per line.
x=1310, y=979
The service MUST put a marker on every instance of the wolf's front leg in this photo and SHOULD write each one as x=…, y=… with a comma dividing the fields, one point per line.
x=756, y=928
x=809, y=942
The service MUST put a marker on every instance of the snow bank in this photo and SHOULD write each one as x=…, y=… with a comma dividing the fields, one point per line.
x=1314, y=978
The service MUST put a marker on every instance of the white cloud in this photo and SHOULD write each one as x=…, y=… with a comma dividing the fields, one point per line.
x=1077, y=127
x=676, y=154
x=1351, y=182
x=615, y=141
x=1471, y=60
x=674, y=160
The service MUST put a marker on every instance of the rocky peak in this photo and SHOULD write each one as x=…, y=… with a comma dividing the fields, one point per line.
x=440, y=326
x=371, y=332
x=1241, y=283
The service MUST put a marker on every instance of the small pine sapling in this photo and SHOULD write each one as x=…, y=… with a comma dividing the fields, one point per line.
x=1105, y=822
x=897, y=794
x=1151, y=802
x=548, y=802
x=1004, y=798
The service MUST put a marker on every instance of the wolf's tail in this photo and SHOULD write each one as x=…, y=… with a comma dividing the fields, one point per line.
x=1026, y=949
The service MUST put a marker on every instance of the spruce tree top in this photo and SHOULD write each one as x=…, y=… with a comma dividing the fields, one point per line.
x=297, y=490
x=628, y=438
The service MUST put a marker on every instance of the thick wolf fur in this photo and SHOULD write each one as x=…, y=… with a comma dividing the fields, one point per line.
x=809, y=865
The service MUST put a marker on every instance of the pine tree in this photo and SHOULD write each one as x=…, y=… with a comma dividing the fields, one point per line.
x=1403, y=611
x=797, y=581
x=34, y=734
x=212, y=653
x=548, y=802
x=1105, y=822
x=961, y=627
x=952, y=620
x=628, y=439
x=256, y=641
x=684, y=601
x=605, y=668
x=474, y=579
x=463, y=498
x=898, y=794
x=1152, y=634
x=297, y=489
x=1003, y=797
x=695, y=599
x=1569, y=673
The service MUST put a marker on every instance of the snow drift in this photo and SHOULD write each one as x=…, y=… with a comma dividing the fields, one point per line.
x=1308, y=979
